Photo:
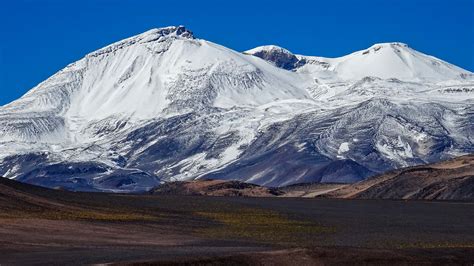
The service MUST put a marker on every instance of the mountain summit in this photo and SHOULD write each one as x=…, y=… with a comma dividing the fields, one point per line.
x=383, y=60
x=166, y=106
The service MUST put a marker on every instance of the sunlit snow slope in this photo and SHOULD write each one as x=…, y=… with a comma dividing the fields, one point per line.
x=164, y=105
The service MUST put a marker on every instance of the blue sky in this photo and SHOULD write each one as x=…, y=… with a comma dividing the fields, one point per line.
x=38, y=38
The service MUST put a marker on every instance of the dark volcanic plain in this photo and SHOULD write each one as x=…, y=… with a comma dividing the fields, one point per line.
x=42, y=226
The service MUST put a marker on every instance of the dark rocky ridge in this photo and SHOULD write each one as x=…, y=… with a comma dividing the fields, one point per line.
x=215, y=188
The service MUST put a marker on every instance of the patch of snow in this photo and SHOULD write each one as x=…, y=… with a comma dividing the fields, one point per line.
x=343, y=148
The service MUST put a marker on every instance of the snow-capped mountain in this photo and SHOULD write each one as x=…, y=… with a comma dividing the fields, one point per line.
x=164, y=105
x=384, y=60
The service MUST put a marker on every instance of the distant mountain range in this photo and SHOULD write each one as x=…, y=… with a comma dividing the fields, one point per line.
x=165, y=106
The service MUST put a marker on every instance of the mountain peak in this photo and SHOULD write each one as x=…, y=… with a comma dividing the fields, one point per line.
x=397, y=60
x=267, y=48
x=382, y=60
x=389, y=44
x=157, y=34
x=171, y=31
x=279, y=56
x=393, y=46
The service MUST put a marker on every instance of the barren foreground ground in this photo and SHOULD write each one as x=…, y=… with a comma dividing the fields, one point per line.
x=40, y=226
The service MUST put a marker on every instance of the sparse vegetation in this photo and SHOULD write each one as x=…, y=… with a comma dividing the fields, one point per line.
x=95, y=215
x=260, y=225
x=121, y=226
x=436, y=245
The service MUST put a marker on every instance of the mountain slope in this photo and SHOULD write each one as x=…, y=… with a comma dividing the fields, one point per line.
x=166, y=106
x=447, y=180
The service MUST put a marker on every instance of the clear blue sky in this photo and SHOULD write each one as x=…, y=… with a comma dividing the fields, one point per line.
x=39, y=38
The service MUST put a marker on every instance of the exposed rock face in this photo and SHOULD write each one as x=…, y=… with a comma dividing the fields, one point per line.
x=280, y=57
